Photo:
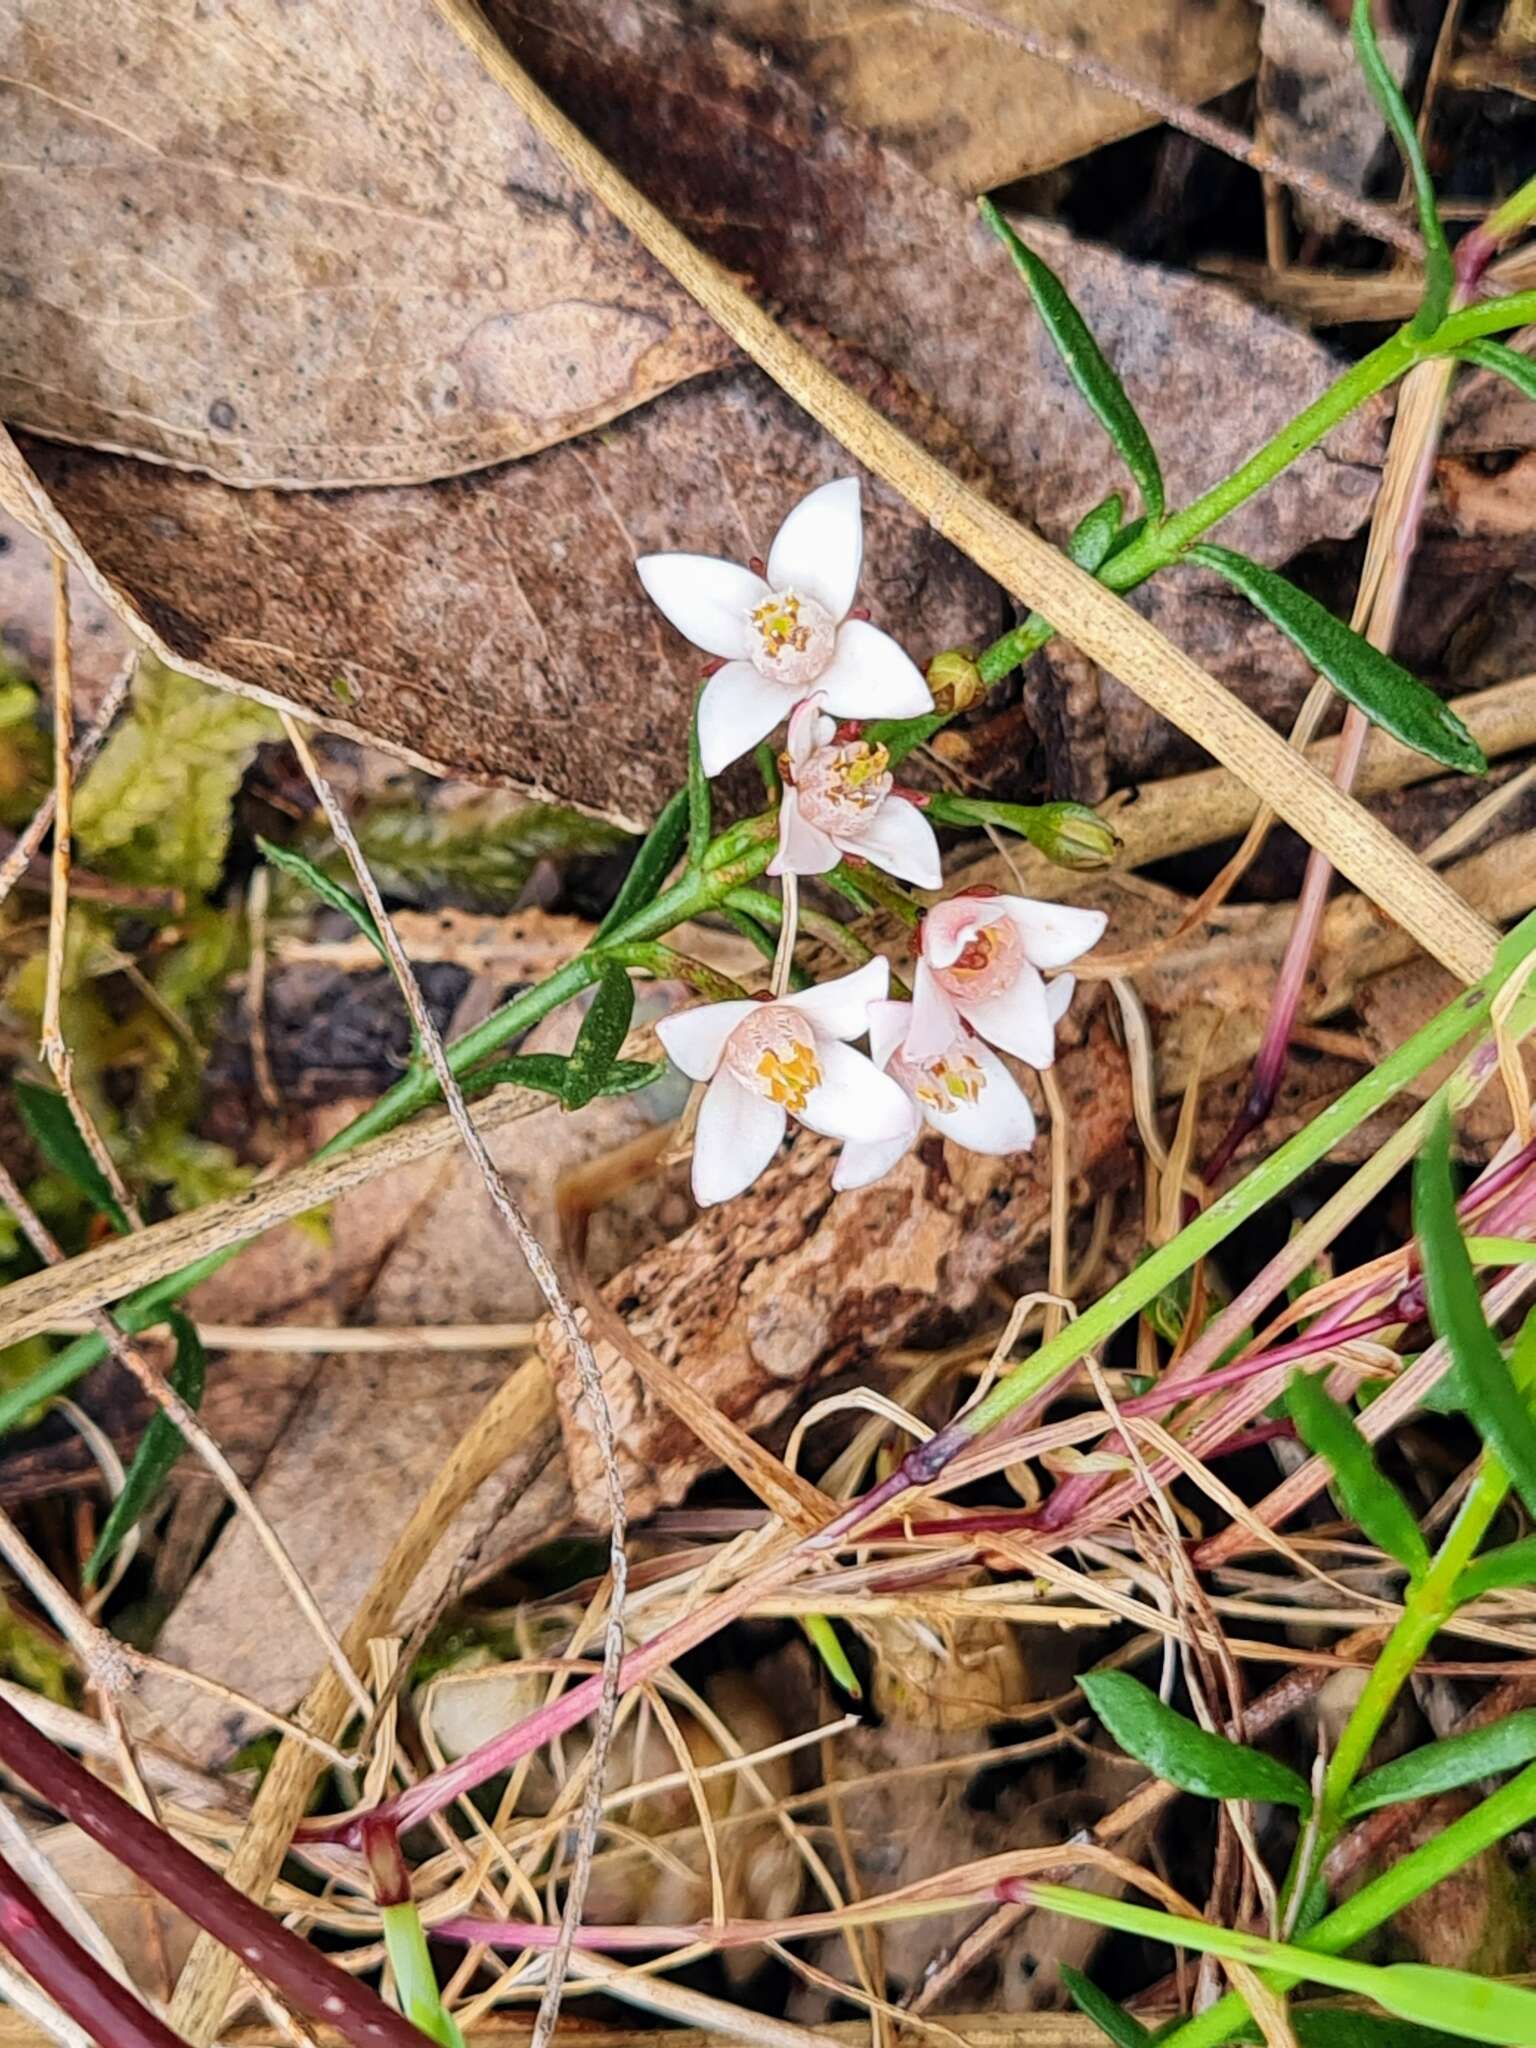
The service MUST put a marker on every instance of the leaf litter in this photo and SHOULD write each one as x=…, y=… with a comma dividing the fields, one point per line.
x=783, y=1307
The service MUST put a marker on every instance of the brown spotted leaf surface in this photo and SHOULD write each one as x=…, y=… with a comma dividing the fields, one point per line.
x=491, y=626
x=970, y=111
x=304, y=245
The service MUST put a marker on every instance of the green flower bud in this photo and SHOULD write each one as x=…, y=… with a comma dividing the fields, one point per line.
x=1074, y=836
x=955, y=680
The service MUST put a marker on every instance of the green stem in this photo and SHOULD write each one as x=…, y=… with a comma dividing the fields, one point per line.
x=1426, y=1609
x=1160, y=545
x=698, y=791
x=405, y=1943
x=758, y=904
x=1469, y=1012
x=738, y=856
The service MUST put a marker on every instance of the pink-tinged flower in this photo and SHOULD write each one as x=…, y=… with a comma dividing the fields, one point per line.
x=980, y=962
x=781, y=637
x=767, y=1062
x=965, y=1093
x=839, y=799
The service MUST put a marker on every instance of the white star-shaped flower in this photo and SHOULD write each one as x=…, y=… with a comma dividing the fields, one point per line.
x=838, y=799
x=965, y=1093
x=767, y=1062
x=980, y=964
x=782, y=636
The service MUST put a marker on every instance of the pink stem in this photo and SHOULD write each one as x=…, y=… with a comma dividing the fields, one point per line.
x=71, y=1975
x=304, y=1976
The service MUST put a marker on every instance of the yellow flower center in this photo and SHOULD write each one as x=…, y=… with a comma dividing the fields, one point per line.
x=774, y=1054
x=789, y=1080
x=946, y=1083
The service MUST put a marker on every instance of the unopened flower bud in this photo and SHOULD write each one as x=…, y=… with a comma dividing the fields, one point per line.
x=955, y=680
x=1074, y=836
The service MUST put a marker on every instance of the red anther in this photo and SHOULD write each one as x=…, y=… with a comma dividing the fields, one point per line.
x=921, y=797
x=757, y=565
x=981, y=889
x=849, y=729
x=712, y=667
x=855, y=860
x=860, y=611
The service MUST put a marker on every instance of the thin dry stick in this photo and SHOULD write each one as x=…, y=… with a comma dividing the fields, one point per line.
x=564, y=1312
x=17, y=861
x=1093, y=618
x=368, y=1337
x=256, y=900
x=128, y=1355
x=63, y=788
x=1376, y=221
x=54, y=1050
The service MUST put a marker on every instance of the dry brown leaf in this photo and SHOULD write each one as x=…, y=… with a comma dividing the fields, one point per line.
x=472, y=626
x=970, y=112
x=98, y=641
x=152, y=1938
x=494, y=627
x=305, y=246
x=371, y=1431
x=1315, y=108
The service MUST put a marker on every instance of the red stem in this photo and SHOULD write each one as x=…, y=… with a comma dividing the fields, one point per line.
x=302, y=1974
x=71, y=1975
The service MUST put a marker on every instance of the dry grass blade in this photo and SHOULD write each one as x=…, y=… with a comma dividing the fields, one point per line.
x=551, y=1287
x=1093, y=618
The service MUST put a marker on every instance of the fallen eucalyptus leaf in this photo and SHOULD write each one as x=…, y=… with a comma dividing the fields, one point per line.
x=306, y=245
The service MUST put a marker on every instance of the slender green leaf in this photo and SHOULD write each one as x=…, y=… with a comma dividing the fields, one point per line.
x=405, y=1943
x=651, y=865
x=1094, y=536
x=899, y=736
x=545, y=1073
x=768, y=768
x=1380, y=687
x=1495, y=1403
x=159, y=1448
x=828, y=1645
x=1183, y=1754
x=698, y=791
x=1512, y=1565
x=1469, y=2007
x=1509, y=362
x=1315, y=2029
x=1086, y=363
x=1439, y=270
x=330, y=892
x=1112, y=2021
x=1459, y=1760
x=603, y=1030
x=51, y=1123
x=1369, y=1496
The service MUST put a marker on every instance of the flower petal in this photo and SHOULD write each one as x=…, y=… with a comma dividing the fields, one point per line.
x=706, y=599
x=735, y=1137
x=950, y=926
x=900, y=839
x=809, y=728
x=840, y=1007
x=695, y=1039
x=1017, y=1019
x=803, y=850
x=1053, y=933
x=1058, y=995
x=935, y=1023
x=738, y=708
x=870, y=677
x=819, y=550
x=888, y=1026
x=860, y=1164
x=999, y=1121
x=854, y=1099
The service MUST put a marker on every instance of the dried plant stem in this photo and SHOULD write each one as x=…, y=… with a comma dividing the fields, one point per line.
x=17, y=861
x=510, y=1438
x=1377, y=221
x=1394, y=538
x=158, y=1389
x=53, y=1048
x=541, y=1266
x=1092, y=616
